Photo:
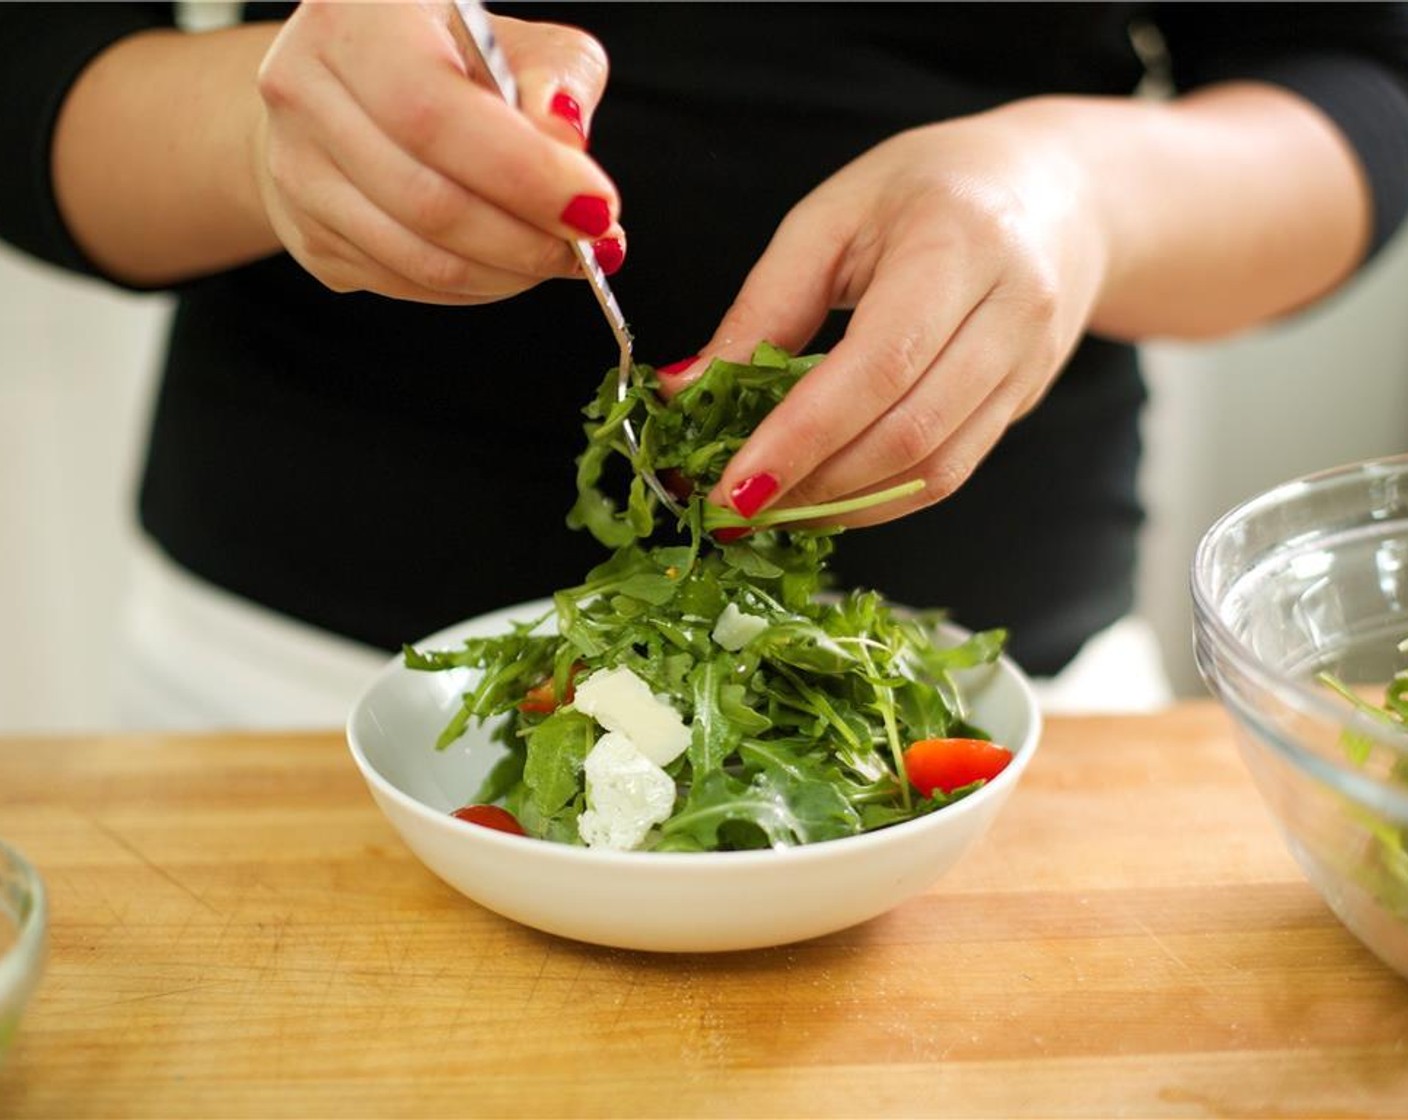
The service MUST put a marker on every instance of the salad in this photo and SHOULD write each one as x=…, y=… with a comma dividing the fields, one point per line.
x=696, y=695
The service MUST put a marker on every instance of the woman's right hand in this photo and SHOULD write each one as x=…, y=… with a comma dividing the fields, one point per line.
x=387, y=162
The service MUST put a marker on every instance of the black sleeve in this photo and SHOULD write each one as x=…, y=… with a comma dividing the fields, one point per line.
x=1350, y=60
x=43, y=49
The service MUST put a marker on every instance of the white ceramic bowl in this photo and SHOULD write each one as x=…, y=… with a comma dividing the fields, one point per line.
x=681, y=902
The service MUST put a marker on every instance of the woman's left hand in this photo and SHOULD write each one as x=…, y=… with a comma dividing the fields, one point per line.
x=972, y=256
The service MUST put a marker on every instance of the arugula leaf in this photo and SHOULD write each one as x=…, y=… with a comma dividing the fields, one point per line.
x=556, y=749
x=802, y=644
x=713, y=736
x=784, y=810
x=503, y=777
x=1386, y=874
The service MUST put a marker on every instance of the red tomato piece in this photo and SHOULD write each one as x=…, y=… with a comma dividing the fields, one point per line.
x=540, y=697
x=490, y=816
x=950, y=764
x=677, y=484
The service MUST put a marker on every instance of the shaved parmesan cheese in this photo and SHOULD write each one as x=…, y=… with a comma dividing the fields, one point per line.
x=627, y=795
x=620, y=701
x=734, y=628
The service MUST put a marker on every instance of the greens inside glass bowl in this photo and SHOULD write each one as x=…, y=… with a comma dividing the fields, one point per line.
x=1385, y=869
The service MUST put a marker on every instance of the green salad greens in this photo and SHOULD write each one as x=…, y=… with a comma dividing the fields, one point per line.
x=763, y=711
x=1386, y=873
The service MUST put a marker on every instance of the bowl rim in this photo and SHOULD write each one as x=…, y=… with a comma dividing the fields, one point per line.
x=702, y=861
x=20, y=963
x=1301, y=697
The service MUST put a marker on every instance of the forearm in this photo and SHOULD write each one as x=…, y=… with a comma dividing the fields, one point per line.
x=152, y=156
x=1219, y=211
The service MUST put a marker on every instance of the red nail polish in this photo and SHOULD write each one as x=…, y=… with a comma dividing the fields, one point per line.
x=564, y=105
x=730, y=533
x=677, y=367
x=749, y=495
x=609, y=253
x=588, y=214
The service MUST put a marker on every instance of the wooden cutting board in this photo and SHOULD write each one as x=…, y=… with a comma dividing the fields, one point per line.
x=236, y=932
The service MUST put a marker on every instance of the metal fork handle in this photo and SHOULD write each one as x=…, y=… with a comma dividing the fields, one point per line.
x=481, y=32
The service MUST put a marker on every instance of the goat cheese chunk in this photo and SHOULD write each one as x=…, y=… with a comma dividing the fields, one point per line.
x=620, y=701
x=627, y=795
x=734, y=629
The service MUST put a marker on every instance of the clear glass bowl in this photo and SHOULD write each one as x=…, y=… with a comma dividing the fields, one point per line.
x=23, y=929
x=1311, y=577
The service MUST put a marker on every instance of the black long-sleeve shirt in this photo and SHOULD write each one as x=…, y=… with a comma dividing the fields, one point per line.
x=382, y=469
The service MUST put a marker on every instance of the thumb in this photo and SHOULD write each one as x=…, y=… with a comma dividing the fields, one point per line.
x=784, y=300
x=561, y=73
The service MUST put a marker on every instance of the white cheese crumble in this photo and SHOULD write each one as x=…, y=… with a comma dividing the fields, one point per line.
x=734, y=628
x=627, y=795
x=620, y=701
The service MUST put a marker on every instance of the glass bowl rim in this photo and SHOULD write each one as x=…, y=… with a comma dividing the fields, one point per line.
x=1300, y=696
x=20, y=962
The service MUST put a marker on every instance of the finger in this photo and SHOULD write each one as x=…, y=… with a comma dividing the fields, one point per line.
x=561, y=75
x=342, y=267
x=332, y=203
x=420, y=198
x=784, y=299
x=407, y=75
x=946, y=469
x=893, y=337
x=986, y=351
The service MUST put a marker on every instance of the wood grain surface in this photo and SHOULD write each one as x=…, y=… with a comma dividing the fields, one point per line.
x=236, y=932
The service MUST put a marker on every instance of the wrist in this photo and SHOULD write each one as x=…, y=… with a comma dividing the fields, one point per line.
x=251, y=191
x=246, y=191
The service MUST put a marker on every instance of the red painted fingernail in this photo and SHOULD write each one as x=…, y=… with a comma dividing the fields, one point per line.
x=609, y=253
x=750, y=494
x=588, y=214
x=564, y=105
x=730, y=533
x=677, y=367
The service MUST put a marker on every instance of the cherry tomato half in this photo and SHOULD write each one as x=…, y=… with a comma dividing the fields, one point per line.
x=950, y=764
x=490, y=816
x=540, y=698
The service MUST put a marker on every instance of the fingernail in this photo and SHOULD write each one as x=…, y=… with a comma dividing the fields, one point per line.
x=679, y=367
x=564, y=105
x=749, y=495
x=730, y=533
x=609, y=253
x=588, y=214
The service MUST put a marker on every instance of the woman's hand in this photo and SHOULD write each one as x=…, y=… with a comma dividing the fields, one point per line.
x=972, y=263
x=386, y=162
x=976, y=253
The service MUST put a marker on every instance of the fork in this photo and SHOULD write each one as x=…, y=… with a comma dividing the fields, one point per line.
x=477, y=26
